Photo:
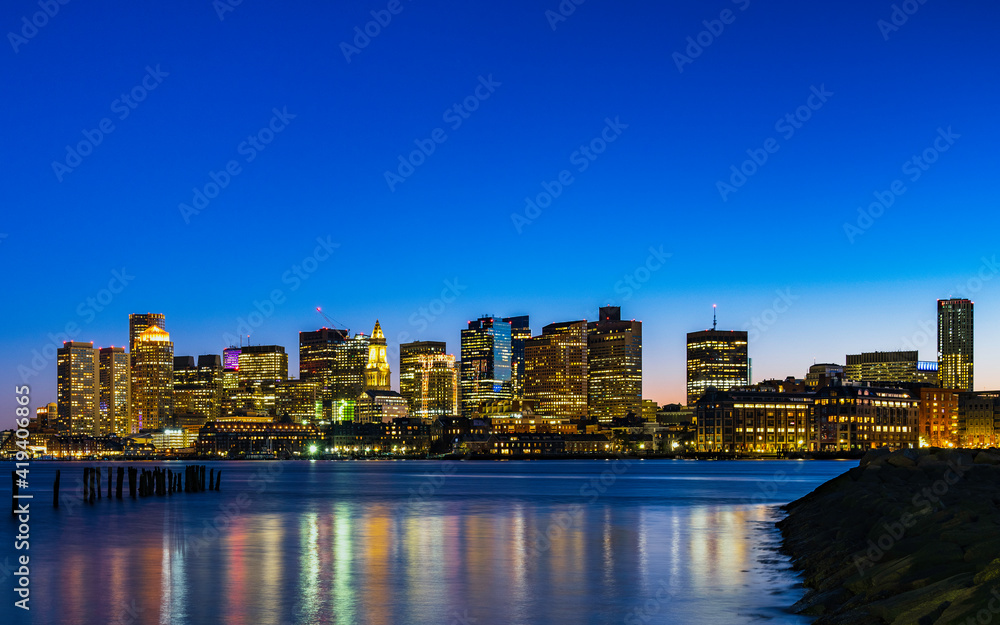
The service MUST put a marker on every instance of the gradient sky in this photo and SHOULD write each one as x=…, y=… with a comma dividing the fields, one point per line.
x=655, y=186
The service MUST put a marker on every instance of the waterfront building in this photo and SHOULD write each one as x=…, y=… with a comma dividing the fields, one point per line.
x=555, y=370
x=979, y=419
x=115, y=381
x=152, y=379
x=938, y=417
x=614, y=366
x=78, y=389
x=852, y=417
x=742, y=421
x=486, y=363
x=716, y=359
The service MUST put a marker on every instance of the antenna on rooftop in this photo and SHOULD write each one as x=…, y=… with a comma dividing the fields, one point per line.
x=713, y=316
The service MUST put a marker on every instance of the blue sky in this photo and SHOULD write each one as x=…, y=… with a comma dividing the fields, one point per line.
x=309, y=136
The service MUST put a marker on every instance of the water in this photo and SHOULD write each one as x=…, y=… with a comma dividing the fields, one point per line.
x=422, y=542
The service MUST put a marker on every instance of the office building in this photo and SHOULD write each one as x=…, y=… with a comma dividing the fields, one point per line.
x=614, y=364
x=410, y=366
x=520, y=331
x=755, y=421
x=555, y=370
x=139, y=322
x=115, y=382
x=262, y=362
x=854, y=417
x=823, y=375
x=152, y=379
x=198, y=387
x=298, y=401
x=716, y=359
x=436, y=387
x=886, y=368
x=78, y=389
x=485, y=369
x=336, y=362
x=955, y=344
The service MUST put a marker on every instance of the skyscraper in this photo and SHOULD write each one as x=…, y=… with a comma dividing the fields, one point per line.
x=377, y=370
x=520, y=331
x=410, y=366
x=716, y=358
x=336, y=362
x=152, y=379
x=485, y=373
x=78, y=389
x=198, y=388
x=263, y=362
x=116, y=382
x=614, y=362
x=555, y=370
x=436, y=386
x=137, y=324
x=955, y=344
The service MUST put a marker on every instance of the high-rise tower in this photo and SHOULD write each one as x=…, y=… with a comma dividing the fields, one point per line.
x=78, y=389
x=377, y=370
x=485, y=370
x=614, y=362
x=955, y=344
x=152, y=379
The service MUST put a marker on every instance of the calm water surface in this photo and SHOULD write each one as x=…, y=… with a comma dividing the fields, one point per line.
x=399, y=542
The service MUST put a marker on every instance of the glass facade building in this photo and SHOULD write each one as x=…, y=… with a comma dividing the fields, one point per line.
x=486, y=363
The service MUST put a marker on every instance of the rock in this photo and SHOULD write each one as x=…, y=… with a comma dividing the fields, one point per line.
x=986, y=458
x=873, y=454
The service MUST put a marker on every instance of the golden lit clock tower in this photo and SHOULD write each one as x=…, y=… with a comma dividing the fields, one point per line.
x=377, y=370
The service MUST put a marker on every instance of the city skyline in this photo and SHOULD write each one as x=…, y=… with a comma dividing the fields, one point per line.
x=392, y=353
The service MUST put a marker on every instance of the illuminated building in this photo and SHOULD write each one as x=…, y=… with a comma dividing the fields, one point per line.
x=198, y=389
x=649, y=410
x=862, y=417
x=520, y=331
x=139, y=322
x=231, y=358
x=888, y=367
x=979, y=419
x=377, y=370
x=938, y=417
x=755, y=421
x=152, y=379
x=436, y=387
x=262, y=362
x=336, y=362
x=824, y=374
x=555, y=370
x=299, y=401
x=409, y=365
x=716, y=358
x=115, y=381
x=614, y=363
x=485, y=368
x=955, y=344
x=251, y=438
x=78, y=389
x=379, y=406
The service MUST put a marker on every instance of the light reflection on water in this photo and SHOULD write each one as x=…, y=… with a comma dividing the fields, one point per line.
x=410, y=542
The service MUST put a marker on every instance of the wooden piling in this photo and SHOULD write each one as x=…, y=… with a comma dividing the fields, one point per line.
x=118, y=486
x=92, y=495
x=131, y=482
x=97, y=481
x=211, y=480
x=86, y=482
x=55, y=491
x=109, y=482
x=218, y=479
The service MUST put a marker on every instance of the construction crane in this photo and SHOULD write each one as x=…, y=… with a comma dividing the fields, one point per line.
x=333, y=322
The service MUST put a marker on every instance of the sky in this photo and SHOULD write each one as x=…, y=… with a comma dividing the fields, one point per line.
x=821, y=173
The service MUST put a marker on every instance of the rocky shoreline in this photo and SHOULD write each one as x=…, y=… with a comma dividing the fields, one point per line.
x=910, y=537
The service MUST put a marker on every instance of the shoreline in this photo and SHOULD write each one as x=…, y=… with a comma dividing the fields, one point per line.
x=908, y=537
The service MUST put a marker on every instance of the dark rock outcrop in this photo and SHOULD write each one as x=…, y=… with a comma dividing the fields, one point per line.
x=910, y=537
